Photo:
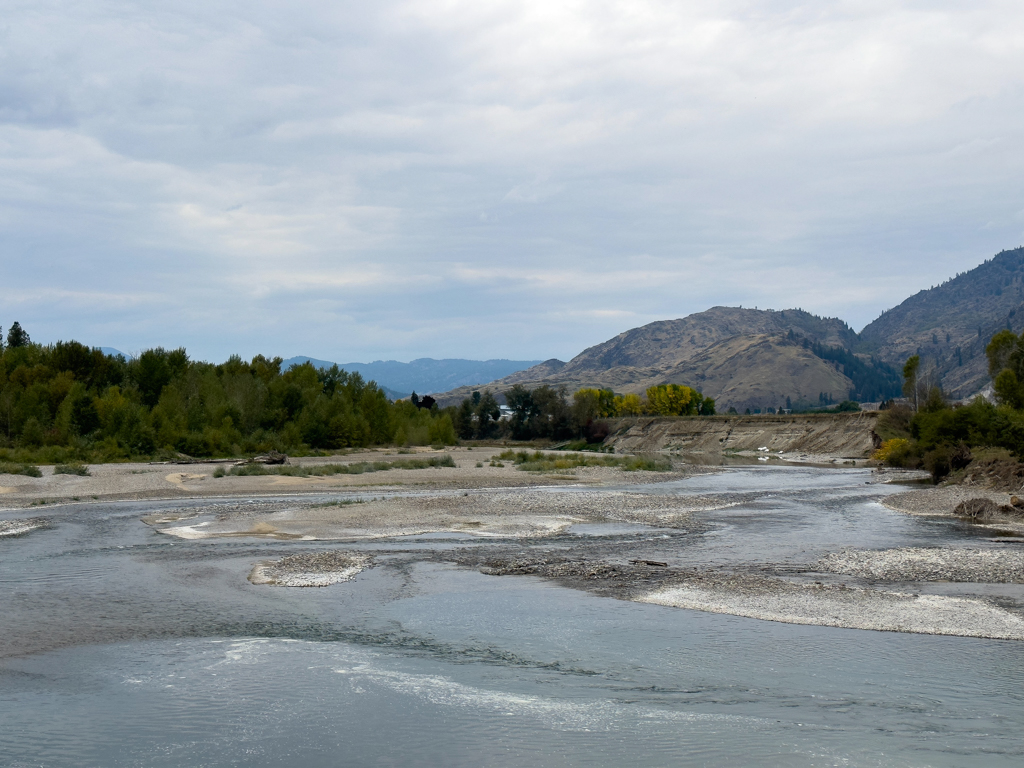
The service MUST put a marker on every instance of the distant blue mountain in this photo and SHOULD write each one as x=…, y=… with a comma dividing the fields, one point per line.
x=424, y=376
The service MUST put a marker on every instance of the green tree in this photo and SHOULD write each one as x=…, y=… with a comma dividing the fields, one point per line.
x=487, y=414
x=17, y=336
x=465, y=420
x=520, y=400
x=1005, y=354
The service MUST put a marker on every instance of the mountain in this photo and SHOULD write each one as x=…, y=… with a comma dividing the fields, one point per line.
x=424, y=375
x=757, y=358
x=745, y=358
x=950, y=325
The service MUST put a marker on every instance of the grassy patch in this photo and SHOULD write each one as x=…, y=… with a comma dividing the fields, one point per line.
x=583, y=445
x=71, y=469
x=326, y=470
x=539, y=461
x=12, y=468
x=340, y=503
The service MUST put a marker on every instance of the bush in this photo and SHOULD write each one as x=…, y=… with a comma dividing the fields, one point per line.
x=71, y=469
x=937, y=462
x=960, y=456
x=9, y=468
x=896, y=452
x=976, y=509
x=356, y=468
x=895, y=422
x=539, y=461
x=596, y=431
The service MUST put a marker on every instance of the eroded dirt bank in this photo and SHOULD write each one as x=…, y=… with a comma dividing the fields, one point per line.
x=837, y=435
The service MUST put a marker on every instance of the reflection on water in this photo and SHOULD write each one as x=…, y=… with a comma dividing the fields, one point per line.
x=123, y=648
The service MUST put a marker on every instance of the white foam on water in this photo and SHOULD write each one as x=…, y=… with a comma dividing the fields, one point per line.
x=187, y=531
x=557, y=714
x=362, y=671
x=18, y=530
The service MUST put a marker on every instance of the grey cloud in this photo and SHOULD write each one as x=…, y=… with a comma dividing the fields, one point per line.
x=516, y=179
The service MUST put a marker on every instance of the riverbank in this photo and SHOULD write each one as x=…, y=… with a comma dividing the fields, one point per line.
x=826, y=437
x=474, y=467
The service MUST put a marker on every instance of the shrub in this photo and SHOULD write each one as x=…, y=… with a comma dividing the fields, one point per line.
x=937, y=462
x=960, y=456
x=976, y=509
x=356, y=468
x=895, y=422
x=896, y=452
x=539, y=461
x=9, y=468
x=71, y=469
x=596, y=431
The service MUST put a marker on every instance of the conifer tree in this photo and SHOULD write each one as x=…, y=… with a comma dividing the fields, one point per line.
x=17, y=336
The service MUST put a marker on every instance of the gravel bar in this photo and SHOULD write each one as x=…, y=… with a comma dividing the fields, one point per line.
x=315, y=569
x=992, y=566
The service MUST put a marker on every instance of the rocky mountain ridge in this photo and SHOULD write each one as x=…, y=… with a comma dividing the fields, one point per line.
x=745, y=358
x=950, y=325
x=749, y=358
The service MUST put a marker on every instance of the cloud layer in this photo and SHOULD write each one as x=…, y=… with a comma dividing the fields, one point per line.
x=513, y=179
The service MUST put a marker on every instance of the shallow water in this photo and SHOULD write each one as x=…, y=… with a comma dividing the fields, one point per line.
x=122, y=647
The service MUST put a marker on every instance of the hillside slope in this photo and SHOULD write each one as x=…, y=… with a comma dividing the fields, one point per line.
x=667, y=343
x=744, y=358
x=950, y=325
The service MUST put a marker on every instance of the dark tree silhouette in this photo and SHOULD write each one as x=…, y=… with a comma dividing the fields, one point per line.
x=17, y=336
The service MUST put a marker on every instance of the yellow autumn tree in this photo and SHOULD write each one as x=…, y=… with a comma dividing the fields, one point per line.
x=670, y=399
x=629, y=405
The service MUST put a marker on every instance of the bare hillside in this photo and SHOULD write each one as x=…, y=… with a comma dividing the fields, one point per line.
x=745, y=358
x=950, y=325
x=749, y=358
x=668, y=343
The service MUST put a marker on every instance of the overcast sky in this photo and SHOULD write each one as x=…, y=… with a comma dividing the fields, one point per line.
x=360, y=181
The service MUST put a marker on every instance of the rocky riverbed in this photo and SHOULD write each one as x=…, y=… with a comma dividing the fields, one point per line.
x=783, y=543
x=313, y=569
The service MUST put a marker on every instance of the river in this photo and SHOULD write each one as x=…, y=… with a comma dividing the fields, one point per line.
x=120, y=646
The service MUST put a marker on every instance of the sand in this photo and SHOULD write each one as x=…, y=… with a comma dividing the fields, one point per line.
x=522, y=513
x=840, y=606
x=112, y=482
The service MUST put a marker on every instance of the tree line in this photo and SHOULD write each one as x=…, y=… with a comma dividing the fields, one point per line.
x=930, y=432
x=550, y=413
x=66, y=401
x=69, y=402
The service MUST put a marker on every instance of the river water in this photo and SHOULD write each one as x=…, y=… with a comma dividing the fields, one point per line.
x=120, y=646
